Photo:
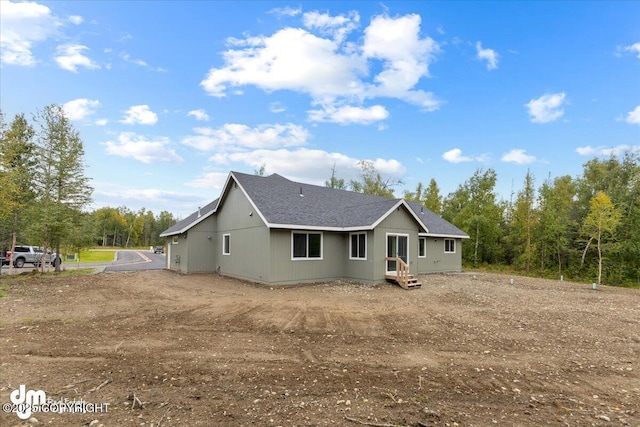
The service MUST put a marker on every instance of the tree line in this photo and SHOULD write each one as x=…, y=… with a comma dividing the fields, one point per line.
x=44, y=191
x=584, y=228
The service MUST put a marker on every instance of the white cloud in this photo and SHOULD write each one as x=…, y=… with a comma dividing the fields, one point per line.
x=285, y=11
x=127, y=58
x=633, y=49
x=140, y=148
x=139, y=114
x=69, y=57
x=234, y=137
x=518, y=156
x=455, y=156
x=306, y=165
x=199, y=114
x=607, y=151
x=633, y=117
x=291, y=59
x=405, y=58
x=209, y=181
x=337, y=27
x=102, y=122
x=152, y=199
x=78, y=109
x=347, y=114
x=547, y=108
x=489, y=55
x=329, y=69
x=76, y=19
x=276, y=107
x=23, y=24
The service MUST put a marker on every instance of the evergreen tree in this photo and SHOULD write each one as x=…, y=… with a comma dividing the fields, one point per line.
x=416, y=196
x=62, y=188
x=432, y=199
x=556, y=202
x=523, y=224
x=17, y=165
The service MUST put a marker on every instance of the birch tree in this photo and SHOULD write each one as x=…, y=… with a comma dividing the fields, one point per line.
x=601, y=221
x=371, y=182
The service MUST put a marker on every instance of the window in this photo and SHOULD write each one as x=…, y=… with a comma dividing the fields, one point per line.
x=358, y=246
x=422, y=247
x=174, y=241
x=226, y=248
x=306, y=245
x=449, y=246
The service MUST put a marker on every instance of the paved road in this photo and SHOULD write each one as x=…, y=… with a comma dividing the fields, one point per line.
x=129, y=260
x=126, y=260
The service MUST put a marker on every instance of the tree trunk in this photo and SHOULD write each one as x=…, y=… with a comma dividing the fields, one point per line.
x=475, y=250
x=57, y=265
x=13, y=248
x=599, y=260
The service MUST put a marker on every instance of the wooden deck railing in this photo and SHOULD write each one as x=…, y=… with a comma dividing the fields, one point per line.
x=402, y=271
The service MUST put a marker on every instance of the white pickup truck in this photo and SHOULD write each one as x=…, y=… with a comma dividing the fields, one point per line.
x=30, y=255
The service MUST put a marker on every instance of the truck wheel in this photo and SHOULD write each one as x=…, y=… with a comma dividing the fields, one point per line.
x=57, y=261
x=19, y=263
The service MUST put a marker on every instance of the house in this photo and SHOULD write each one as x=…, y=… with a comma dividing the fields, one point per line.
x=276, y=231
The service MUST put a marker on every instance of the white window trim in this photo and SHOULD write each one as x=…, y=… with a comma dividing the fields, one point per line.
x=174, y=240
x=366, y=245
x=224, y=236
x=386, y=248
x=307, y=258
x=420, y=239
x=454, y=246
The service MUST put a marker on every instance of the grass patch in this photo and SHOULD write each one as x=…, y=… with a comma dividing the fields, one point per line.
x=96, y=256
x=3, y=290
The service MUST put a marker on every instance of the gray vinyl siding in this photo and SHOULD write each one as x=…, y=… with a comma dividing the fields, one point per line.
x=360, y=270
x=398, y=222
x=437, y=261
x=285, y=270
x=200, y=241
x=178, y=253
x=248, y=239
x=194, y=249
x=264, y=255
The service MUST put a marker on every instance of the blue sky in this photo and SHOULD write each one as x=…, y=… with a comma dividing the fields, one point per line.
x=168, y=97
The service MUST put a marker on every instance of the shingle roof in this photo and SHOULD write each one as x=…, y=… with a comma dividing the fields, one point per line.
x=285, y=202
x=188, y=222
x=437, y=225
x=289, y=204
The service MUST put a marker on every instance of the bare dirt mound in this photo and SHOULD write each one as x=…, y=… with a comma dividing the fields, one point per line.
x=171, y=350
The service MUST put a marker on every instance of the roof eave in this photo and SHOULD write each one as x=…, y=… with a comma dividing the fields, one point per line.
x=319, y=227
x=190, y=225
x=448, y=236
x=401, y=202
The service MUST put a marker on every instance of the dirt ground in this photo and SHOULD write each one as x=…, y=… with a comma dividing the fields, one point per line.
x=203, y=350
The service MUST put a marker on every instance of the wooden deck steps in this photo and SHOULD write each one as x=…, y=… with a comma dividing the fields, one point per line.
x=410, y=283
